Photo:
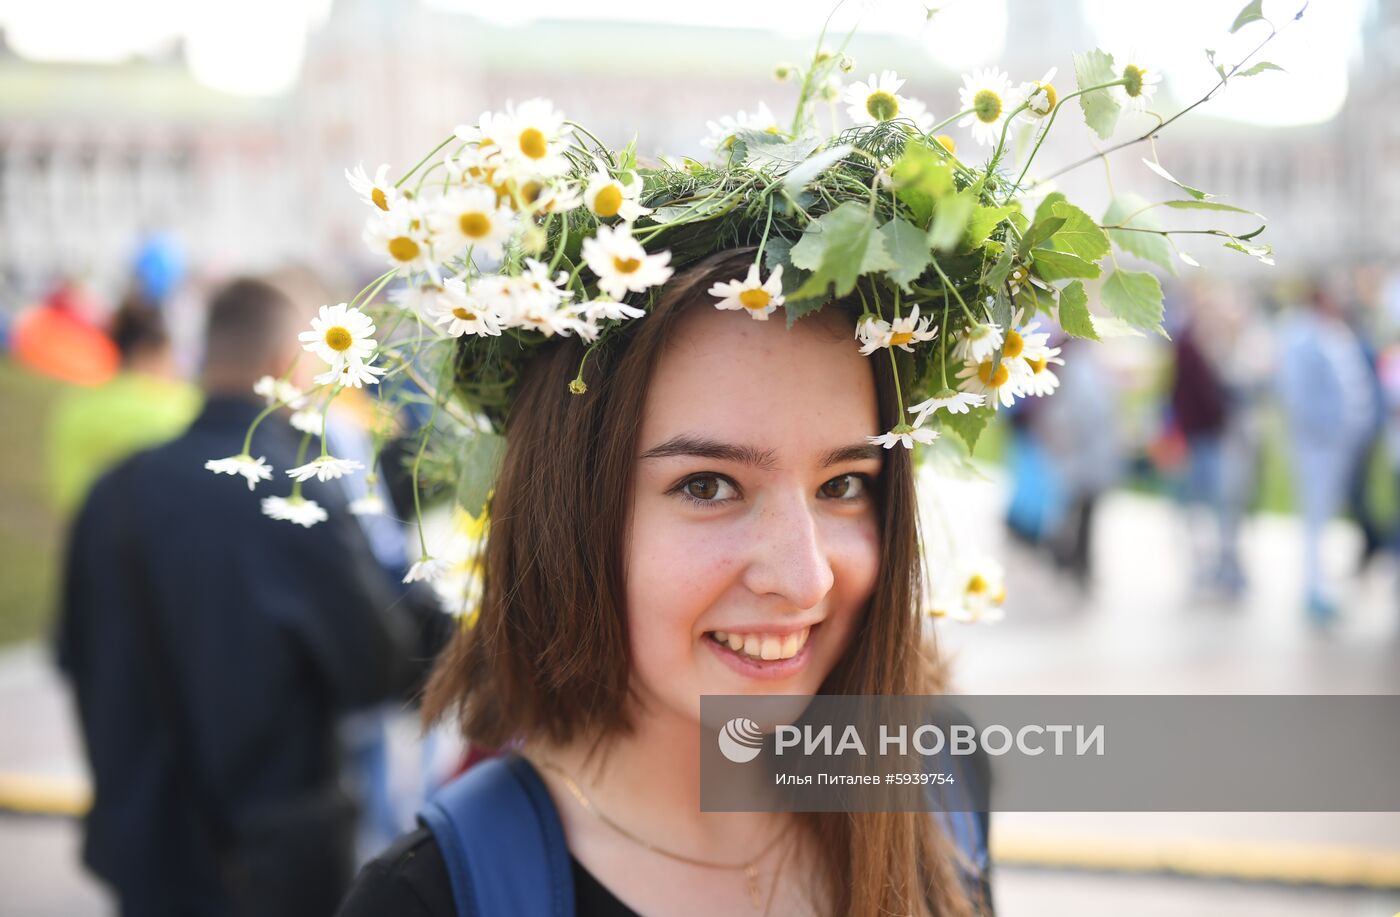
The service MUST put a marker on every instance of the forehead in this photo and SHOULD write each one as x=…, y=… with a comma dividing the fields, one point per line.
x=794, y=390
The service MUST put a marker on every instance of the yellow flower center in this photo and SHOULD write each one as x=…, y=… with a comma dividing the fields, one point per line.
x=977, y=584
x=339, y=338
x=901, y=337
x=463, y=314
x=402, y=248
x=881, y=105
x=608, y=201
x=1132, y=79
x=754, y=299
x=947, y=142
x=1013, y=346
x=986, y=105
x=1048, y=104
x=1037, y=365
x=380, y=201
x=532, y=143
x=475, y=225
x=531, y=191
x=993, y=376
x=626, y=265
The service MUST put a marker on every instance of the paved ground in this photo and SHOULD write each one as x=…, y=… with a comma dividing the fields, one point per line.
x=1138, y=631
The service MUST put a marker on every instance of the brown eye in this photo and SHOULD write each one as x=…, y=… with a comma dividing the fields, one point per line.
x=702, y=488
x=846, y=487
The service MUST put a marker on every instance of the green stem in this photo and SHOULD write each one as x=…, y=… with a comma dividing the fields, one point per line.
x=948, y=284
x=1048, y=124
x=437, y=149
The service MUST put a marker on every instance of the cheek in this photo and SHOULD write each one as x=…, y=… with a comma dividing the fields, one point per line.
x=676, y=570
x=855, y=561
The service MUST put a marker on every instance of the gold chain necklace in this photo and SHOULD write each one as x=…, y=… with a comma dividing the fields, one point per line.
x=750, y=868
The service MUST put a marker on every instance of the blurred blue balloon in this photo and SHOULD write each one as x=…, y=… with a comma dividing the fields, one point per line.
x=159, y=267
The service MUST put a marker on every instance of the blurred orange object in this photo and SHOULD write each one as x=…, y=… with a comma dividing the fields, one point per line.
x=55, y=339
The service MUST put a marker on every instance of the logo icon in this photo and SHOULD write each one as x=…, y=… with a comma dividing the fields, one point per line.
x=741, y=740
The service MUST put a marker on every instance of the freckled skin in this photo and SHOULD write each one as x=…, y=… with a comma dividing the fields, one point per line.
x=776, y=547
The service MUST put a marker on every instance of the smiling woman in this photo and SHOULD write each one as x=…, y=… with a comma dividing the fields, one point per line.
x=710, y=518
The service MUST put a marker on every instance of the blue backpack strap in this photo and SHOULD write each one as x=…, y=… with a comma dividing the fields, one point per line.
x=502, y=842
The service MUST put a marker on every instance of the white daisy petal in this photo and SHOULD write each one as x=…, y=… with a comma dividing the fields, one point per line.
x=253, y=469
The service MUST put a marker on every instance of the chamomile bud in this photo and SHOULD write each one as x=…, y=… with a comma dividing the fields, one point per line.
x=846, y=63
x=533, y=240
x=784, y=72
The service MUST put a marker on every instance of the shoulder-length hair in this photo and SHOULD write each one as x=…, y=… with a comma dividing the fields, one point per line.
x=548, y=656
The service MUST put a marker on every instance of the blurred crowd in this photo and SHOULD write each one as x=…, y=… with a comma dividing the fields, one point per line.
x=1265, y=398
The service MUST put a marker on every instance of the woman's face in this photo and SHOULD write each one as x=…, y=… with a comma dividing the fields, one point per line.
x=755, y=520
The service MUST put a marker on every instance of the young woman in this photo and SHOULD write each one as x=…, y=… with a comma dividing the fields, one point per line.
x=709, y=518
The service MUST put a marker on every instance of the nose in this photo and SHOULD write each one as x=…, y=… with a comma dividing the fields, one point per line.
x=787, y=557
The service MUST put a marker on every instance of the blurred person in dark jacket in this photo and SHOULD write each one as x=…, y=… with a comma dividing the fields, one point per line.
x=212, y=650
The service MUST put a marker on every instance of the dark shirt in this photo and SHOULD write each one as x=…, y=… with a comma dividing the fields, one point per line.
x=271, y=630
x=410, y=880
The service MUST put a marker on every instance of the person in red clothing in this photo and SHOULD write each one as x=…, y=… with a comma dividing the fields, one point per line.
x=59, y=338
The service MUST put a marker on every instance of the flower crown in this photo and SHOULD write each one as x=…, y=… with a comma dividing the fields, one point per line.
x=524, y=226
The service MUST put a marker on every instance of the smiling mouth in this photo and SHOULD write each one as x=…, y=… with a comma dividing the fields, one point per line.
x=761, y=646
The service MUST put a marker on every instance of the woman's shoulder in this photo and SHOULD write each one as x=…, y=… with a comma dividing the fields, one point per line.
x=409, y=879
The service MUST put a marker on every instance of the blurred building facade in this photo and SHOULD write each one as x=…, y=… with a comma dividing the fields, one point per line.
x=94, y=156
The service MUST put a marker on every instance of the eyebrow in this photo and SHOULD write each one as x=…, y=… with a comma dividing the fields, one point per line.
x=701, y=447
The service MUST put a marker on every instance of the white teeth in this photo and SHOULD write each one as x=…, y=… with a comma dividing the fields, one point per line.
x=764, y=646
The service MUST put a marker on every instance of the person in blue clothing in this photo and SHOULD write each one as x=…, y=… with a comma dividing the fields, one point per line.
x=712, y=519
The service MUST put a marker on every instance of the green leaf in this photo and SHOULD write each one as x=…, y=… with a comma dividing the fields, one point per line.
x=1079, y=235
x=481, y=459
x=1047, y=207
x=802, y=175
x=1136, y=298
x=774, y=153
x=997, y=275
x=1206, y=205
x=1151, y=246
x=1055, y=265
x=950, y=219
x=983, y=221
x=1101, y=108
x=921, y=177
x=1074, y=312
x=967, y=426
x=837, y=248
x=1263, y=252
x=1253, y=11
x=1039, y=233
x=1194, y=192
x=908, y=248
x=1258, y=68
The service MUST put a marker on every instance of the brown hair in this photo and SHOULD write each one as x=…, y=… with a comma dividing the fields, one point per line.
x=548, y=654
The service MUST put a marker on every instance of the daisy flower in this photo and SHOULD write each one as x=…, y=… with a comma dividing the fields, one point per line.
x=339, y=334
x=1040, y=96
x=621, y=264
x=909, y=330
x=998, y=383
x=876, y=100
x=309, y=420
x=979, y=343
x=529, y=139
x=537, y=300
x=974, y=590
x=297, y=509
x=610, y=309
x=724, y=131
x=378, y=191
x=426, y=569
x=353, y=373
x=554, y=198
x=371, y=504
x=254, y=469
x=460, y=312
x=1139, y=82
x=760, y=299
x=949, y=400
x=324, y=468
x=986, y=96
x=607, y=197
x=470, y=217
x=905, y=435
x=401, y=237
x=276, y=390
x=872, y=332
x=1041, y=380
x=471, y=165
